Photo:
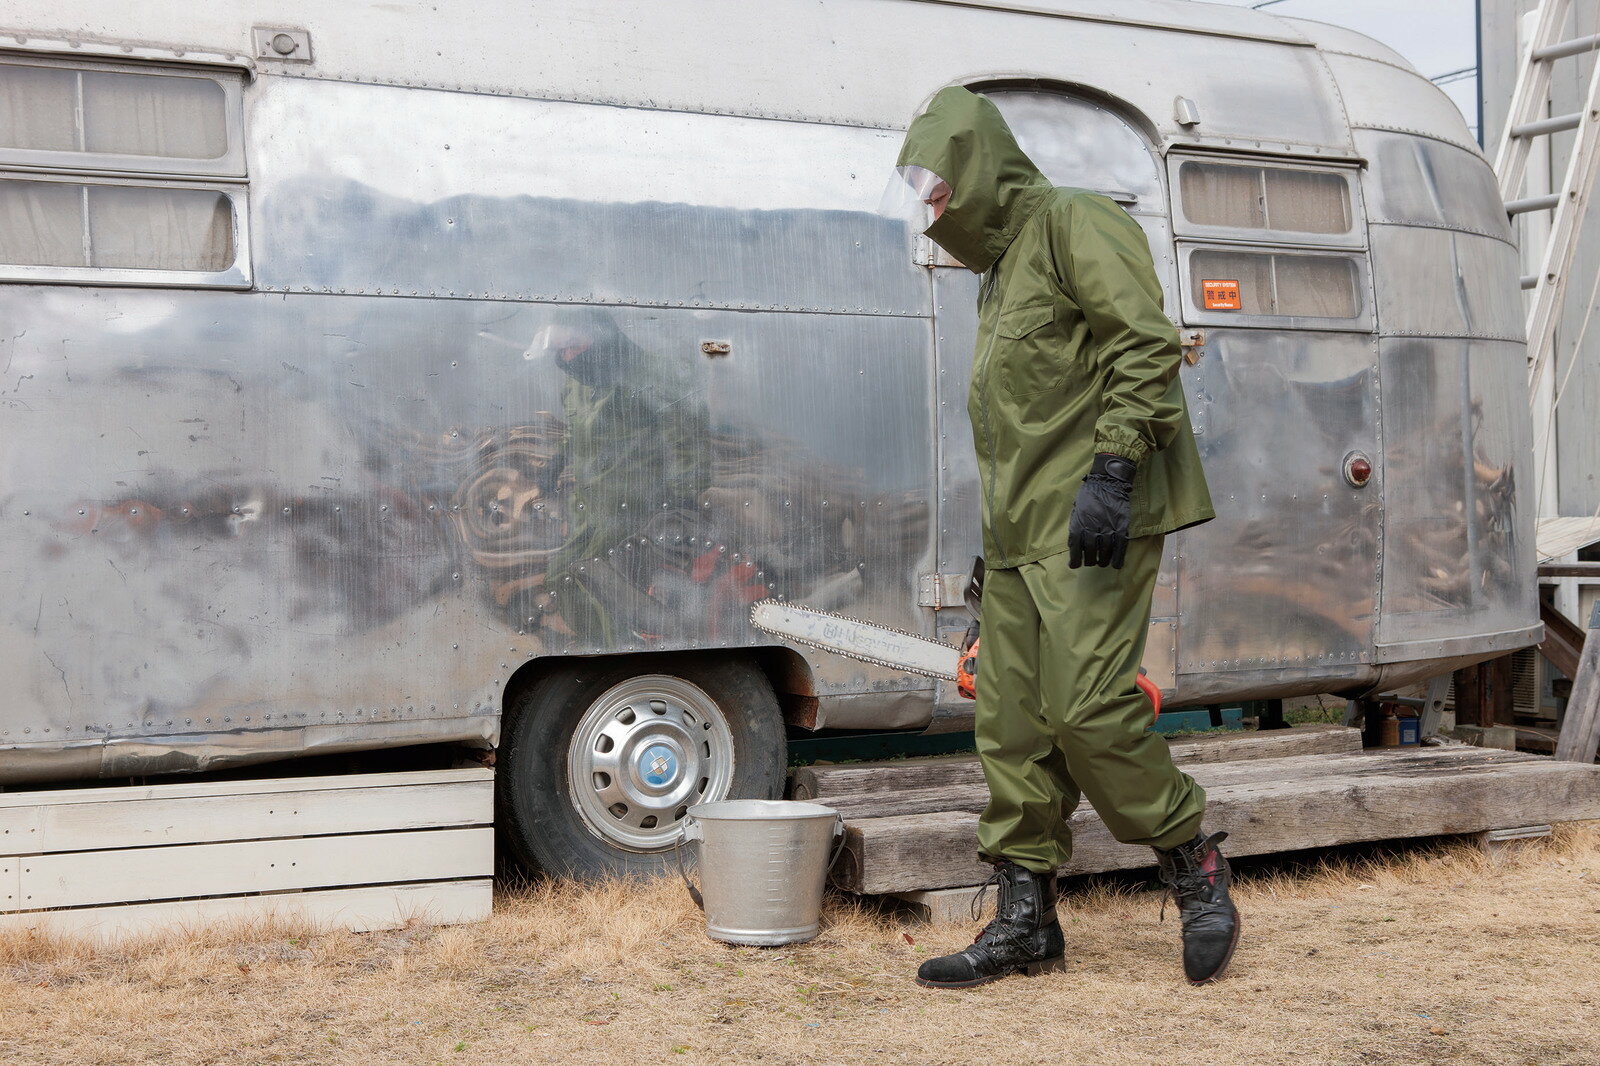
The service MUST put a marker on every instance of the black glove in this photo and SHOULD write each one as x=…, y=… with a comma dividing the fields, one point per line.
x=1098, y=532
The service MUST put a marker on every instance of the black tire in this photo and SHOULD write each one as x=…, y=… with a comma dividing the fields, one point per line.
x=543, y=821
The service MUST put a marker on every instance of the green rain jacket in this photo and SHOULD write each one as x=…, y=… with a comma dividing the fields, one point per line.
x=1074, y=354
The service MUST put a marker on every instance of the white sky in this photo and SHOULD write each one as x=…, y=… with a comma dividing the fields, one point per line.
x=1437, y=36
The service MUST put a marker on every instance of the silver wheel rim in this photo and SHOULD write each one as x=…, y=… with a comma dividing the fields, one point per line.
x=644, y=753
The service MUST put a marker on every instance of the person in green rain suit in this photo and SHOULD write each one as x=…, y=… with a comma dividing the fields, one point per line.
x=1086, y=460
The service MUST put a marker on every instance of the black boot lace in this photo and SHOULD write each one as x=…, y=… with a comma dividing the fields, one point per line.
x=1189, y=880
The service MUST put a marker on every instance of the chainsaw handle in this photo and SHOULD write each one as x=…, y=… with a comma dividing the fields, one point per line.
x=1150, y=689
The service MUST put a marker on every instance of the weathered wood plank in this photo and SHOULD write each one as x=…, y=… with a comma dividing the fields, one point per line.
x=813, y=782
x=357, y=909
x=189, y=870
x=938, y=850
x=1580, y=725
x=973, y=798
x=53, y=826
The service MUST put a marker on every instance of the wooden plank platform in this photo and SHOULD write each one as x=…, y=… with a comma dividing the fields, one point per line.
x=909, y=839
x=851, y=779
x=358, y=851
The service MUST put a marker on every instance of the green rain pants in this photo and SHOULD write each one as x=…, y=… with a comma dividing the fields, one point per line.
x=1059, y=715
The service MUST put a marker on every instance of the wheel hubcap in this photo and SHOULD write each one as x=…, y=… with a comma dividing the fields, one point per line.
x=644, y=753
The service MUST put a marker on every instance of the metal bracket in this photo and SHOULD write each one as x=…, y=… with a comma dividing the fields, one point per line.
x=1193, y=342
x=281, y=45
x=942, y=590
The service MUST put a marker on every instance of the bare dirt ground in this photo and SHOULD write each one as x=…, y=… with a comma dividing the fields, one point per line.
x=1432, y=956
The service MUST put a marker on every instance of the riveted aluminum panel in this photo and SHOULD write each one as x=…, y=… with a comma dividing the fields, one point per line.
x=1386, y=97
x=1333, y=38
x=1459, y=514
x=234, y=512
x=1423, y=182
x=1285, y=578
x=1434, y=282
x=528, y=199
x=869, y=62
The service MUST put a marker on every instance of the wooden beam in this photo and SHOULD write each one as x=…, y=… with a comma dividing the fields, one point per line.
x=1563, y=641
x=1288, y=805
x=1475, y=696
x=973, y=798
x=853, y=779
x=1570, y=570
x=1580, y=725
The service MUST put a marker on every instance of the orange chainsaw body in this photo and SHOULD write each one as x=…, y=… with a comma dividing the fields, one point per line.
x=967, y=679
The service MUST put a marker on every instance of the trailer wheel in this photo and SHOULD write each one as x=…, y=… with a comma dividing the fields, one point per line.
x=602, y=759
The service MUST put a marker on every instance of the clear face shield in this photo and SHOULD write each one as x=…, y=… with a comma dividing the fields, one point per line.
x=915, y=196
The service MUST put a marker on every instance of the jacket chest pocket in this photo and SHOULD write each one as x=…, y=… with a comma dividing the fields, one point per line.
x=1029, y=350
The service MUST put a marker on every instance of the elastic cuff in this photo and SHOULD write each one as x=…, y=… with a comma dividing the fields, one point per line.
x=1031, y=865
x=1127, y=445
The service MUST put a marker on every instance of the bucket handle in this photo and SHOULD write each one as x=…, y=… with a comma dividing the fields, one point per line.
x=691, y=831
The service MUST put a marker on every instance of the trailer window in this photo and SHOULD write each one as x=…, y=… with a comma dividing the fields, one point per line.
x=1275, y=284
x=44, y=223
x=109, y=117
x=120, y=174
x=1231, y=196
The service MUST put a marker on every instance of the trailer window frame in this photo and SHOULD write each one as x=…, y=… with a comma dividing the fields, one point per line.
x=1195, y=313
x=225, y=174
x=1182, y=226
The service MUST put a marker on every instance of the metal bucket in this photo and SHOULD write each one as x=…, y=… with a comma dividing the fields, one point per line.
x=763, y=864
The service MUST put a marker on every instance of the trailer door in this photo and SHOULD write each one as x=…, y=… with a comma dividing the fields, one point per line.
x=1274, y=274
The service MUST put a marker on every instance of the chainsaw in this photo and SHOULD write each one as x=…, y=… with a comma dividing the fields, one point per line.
x=894, y=648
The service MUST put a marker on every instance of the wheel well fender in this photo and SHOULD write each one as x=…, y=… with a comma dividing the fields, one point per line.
x=786, y=671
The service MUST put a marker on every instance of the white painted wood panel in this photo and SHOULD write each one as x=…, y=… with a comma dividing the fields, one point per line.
x=191, y=870
x=271, y=786
x=57, y=826
x=357, y=909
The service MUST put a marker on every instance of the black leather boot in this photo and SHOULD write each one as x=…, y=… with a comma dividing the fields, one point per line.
x=1024, y=937
x=1198, y=876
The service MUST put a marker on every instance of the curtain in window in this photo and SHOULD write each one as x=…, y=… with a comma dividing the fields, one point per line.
x=139, y=114
x=1307, y=202
x=38, y=108
x=1216, y=195
x=1310, y=286
x=41, y=224
x=166, y=116
x=159, y=229
x=1316, y=286
x=1252, y=271
x=131, y=227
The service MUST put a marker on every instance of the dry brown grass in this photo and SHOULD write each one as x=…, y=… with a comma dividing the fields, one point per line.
x=1431, y=957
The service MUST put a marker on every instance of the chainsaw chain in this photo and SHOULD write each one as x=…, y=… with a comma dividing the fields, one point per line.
x=902, y=667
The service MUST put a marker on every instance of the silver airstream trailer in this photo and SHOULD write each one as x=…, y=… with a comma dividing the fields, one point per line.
x=388, y=374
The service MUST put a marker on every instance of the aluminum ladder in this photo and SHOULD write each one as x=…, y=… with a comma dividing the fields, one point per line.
x=1526, y=122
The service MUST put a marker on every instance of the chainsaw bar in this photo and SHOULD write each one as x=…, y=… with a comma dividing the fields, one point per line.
x=867, y=641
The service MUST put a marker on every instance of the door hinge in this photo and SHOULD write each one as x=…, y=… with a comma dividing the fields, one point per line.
x=941, y=590
x=924, y=252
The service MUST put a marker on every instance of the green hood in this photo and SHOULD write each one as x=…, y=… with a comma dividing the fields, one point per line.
x=994, y=186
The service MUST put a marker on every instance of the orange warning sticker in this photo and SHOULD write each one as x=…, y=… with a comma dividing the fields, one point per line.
x=1221, y=295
